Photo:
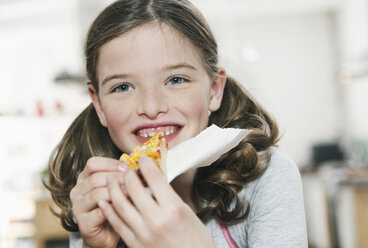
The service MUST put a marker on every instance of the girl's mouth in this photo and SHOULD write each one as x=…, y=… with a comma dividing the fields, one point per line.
x=147, y=133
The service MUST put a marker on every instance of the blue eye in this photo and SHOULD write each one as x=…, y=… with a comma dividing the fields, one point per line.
x=177, y=80
x=122, y=88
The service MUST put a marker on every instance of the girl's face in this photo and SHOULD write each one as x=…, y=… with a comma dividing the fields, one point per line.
x=152, y=80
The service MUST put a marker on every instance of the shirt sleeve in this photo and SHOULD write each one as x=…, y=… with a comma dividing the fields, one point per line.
x=277, y=217
x=75, y=240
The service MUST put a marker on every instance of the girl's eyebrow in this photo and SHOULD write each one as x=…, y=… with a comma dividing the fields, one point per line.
x=181, y=65
x=114, y=77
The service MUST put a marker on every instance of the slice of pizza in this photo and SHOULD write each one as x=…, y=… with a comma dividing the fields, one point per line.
x=155, y=148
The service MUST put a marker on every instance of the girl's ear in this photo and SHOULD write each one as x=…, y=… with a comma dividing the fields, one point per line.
x=217, y=90
x=97, y=104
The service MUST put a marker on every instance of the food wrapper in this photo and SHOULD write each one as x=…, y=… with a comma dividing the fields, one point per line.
x=203, y=149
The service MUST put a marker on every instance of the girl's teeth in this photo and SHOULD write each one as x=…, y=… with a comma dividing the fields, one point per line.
x=152, y=133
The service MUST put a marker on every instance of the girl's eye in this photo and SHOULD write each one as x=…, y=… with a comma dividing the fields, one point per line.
x=122, y=88
x=177, y=80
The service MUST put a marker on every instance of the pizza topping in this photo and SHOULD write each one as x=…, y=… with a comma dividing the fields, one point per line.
x=155, y=148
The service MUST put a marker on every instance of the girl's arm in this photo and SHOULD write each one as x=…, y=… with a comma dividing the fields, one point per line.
x=277, y=217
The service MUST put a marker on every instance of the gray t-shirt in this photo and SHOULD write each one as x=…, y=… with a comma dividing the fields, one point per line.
x=276, y=217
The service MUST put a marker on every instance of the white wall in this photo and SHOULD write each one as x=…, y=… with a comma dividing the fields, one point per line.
x=38, y=39
x=294, y=76
x=35, y=45
x=356, y=93
x=353, y=47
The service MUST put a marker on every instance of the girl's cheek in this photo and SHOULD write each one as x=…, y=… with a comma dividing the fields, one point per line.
x=196, y=98
x=194, y=105
x=117, y=114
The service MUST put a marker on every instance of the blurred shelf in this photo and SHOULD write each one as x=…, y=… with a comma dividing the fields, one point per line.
x=336, y=201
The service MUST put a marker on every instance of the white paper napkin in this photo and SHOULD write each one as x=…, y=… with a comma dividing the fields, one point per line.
x=203, y=149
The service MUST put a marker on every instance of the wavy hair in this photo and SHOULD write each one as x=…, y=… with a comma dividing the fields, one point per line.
x=215, y=187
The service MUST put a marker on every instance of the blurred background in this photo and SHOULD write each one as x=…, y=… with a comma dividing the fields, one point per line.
x=305, y=60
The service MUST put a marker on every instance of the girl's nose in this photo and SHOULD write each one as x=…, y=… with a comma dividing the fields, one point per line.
x=152, y=104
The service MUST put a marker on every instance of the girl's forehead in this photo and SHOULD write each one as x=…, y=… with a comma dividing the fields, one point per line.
x=155, y=43
x=151, y=36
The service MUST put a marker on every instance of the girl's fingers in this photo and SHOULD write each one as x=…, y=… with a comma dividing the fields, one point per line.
x=99, y=164
x=89, y=201
x=139, y=195
x=156, y=181
x=89, y=190
x=123, y=206
x=98, y=180
x=93, y=218
x=117, y=223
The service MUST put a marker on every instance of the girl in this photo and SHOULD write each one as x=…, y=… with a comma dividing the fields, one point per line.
x=153, y=67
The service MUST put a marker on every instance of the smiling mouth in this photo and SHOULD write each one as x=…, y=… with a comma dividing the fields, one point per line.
x=150, y=132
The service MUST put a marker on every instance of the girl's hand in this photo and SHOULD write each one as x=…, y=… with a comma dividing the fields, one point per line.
x=158, y=220
x=91, y=188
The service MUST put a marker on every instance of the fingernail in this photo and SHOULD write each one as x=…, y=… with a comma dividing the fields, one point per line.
x=122, y=167
x=101, y=204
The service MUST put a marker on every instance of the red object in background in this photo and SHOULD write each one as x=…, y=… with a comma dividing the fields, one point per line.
x=39, y=109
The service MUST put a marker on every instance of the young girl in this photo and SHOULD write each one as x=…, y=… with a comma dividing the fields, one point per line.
x=153, y=67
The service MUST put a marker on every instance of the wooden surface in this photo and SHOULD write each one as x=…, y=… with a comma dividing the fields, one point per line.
x=361, y=208
x=48, y=226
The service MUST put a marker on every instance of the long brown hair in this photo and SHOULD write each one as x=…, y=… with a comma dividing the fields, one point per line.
x=216, y=186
